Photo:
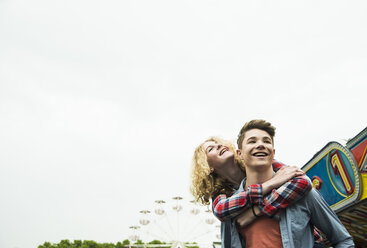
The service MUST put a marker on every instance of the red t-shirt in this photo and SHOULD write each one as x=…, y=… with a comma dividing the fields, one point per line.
x=264, y=232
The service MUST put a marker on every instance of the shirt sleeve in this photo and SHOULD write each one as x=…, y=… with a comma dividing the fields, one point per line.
x=225, y=207
x=286, y=194
x=324, y=218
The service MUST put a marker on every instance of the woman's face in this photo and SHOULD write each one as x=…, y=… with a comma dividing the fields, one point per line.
x=218, y=155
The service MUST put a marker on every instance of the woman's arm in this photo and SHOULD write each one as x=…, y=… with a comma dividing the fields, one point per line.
x=225, y=207
x=288, y=193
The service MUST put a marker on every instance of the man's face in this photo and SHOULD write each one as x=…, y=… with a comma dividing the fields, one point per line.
x=218, y=155
x=257, y=148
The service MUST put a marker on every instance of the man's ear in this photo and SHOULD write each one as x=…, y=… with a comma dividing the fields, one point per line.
x=238, y=151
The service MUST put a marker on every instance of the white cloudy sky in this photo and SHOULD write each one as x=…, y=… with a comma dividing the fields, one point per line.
x=103, y=102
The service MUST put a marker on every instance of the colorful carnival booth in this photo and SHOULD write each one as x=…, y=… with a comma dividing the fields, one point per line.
x=340, y=174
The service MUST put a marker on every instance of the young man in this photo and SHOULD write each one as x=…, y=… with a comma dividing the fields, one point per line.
x=294, y=227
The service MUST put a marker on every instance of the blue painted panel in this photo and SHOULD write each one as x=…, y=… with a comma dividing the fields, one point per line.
x=332, y=189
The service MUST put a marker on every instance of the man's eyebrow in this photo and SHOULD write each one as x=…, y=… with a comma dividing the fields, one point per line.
x=268, y=139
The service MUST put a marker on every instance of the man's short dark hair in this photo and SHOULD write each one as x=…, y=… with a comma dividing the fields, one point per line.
x=255, y=124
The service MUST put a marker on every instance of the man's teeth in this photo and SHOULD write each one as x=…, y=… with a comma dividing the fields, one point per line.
x=260, y=154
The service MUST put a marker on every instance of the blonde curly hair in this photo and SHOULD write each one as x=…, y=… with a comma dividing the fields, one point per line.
x=206, y=185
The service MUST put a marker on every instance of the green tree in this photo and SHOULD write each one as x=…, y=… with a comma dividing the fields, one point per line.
x=89, y=244
x=126, y=242
x=119, y=245
x=77, y=244
x=64, y=244
x=107, y=245
x=192, y=245
x=46, y=245
x=155, y=242
x=139, y=242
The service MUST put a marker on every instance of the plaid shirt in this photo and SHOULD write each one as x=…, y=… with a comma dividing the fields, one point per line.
x=225, y=208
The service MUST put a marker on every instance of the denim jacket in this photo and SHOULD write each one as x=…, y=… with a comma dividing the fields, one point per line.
x=296, y=225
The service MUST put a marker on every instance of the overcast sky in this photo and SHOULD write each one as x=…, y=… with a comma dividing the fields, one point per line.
x=102, y=103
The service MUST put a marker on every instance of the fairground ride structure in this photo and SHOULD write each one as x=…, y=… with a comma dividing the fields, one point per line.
x=178, y=223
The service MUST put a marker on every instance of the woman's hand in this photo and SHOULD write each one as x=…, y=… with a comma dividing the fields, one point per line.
x=247, y=217
x=282, y=176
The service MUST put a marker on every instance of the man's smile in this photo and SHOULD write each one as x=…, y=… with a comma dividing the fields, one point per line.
x=260, y=154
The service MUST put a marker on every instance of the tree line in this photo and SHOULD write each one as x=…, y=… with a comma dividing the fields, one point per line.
x=93, y=244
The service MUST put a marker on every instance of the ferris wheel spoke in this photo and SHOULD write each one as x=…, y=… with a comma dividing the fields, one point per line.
x=202, y=234
x=169, y=223
x=154, y=235
x=178, y=226
x=188, y=220
x=194, y=227
x=163, y=230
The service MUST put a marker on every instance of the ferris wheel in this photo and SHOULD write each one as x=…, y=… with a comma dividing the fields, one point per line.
x=177, y=222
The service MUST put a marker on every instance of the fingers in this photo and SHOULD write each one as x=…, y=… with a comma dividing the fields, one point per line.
x=245, y=218
x=290, y=171
x=292, y=168
x=285, y=174
x=300, y=173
